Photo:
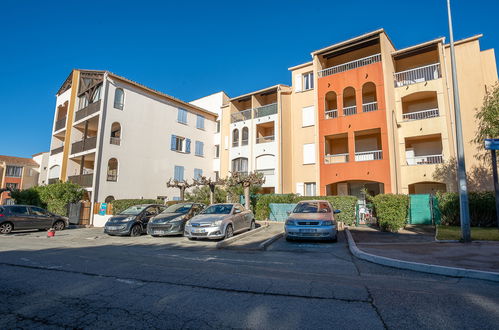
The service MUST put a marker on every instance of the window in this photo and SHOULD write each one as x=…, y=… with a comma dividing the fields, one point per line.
x=308, y=81
x=308, y=116
x=96, y=94
x=38, y=211
x=82, y=102
x=310, y=189
x=14, y=171
x=11, y=186
x=217, y=175
x=235, y=137
x=200, y=122
x=119, y=98
x=198, y=173
x=218, y=126
x=309, y=153
x=182, y=116
x=180, y=144
x=19, y=210
x=244, y=136
x=178, y=173
x=112, y=170
x=217, y=151
x=240, y=165
x=199, y=149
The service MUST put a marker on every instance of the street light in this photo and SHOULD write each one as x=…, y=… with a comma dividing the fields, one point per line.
x=464, y=213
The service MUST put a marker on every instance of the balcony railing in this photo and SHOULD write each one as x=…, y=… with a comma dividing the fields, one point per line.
x=413, y=76
x=240, y=115
x=331, y=114
x=266, y=172
x=244, y=142
x=368, y=107
x=84, y=145
x=265, y=110
x=235, y=143
x=418, y=115
x=57, y=150
x=368, y=155
x=424, y=160
x=113, y=177
x=84, y=180
x=87, y=111
x=350, y=65
x=53, y=180
x=60, y=124
x=265, y=139
x=115, y=140
x=336, y=158
x=348, y=111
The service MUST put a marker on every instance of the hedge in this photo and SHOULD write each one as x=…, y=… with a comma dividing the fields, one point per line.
x=481, y=204
x=120, y=205
x=391, y=211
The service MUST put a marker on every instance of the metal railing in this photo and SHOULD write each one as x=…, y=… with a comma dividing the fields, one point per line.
x=424, y=160
x=265, y=139
x=421, y=74
x=240, y=115
x=57, y=150
x=84, y=145
x=348, y=111
x=235, y=143
x=265, y=110
x=368, y=155
x=87, y=111
x=244, y=142
x=418, y=115
x=84, y=180
x=371, y=106
x=331, y=114
x=350, y=65
x=336, y=158
x=113, y=177
x=115, y=140
x=269, y=171
x=53, y=180
x=60, y=124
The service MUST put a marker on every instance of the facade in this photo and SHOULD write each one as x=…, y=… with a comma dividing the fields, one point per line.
x=17, y=173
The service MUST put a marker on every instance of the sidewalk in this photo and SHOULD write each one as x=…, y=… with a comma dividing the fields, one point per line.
x=417, y=244
x=253, y=242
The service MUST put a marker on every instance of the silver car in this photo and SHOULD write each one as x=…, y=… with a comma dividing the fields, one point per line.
x=220, y=221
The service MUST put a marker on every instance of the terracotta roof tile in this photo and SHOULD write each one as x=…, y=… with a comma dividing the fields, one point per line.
x=11, y=160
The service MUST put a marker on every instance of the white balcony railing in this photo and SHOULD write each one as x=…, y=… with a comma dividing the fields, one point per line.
x=348, y=111
x=331, y=114
x=413, y=76
x=424, y=160
x=368, y=155
x=266, y=172
x=350, y=65
x=418, y=115
x=115, y=140
x=336, y=158
x=264, y=139
x=371, y=106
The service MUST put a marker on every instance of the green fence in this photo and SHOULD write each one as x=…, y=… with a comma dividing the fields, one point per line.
x=423, y=210
x=279, y=212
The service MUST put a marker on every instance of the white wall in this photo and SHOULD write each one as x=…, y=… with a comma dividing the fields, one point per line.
x=42, y=160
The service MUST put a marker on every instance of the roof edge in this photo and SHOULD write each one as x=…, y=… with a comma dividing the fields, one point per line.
x=299, y=66
x=322, y=50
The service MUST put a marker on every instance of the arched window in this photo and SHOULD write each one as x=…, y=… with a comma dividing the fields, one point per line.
x=112, y=170
x=369, y=100
x=115, y=134
x=244, y=136
x=349, y=103
x=235, y=137
x=119, y=98
x=240, y=165
x=109, y=199
x=331, y=105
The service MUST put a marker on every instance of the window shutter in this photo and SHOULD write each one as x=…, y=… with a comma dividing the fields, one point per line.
x=181, y=173
x=300, y=188
x=298, y=83
x=308, y=116
x=309, y=153
x=188, y=146
x=173, y=144
x=201, y=148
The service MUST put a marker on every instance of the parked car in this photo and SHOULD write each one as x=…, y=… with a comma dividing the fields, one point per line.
x=132, y=221
x=312, y=220
x=172, y=220
x=20, y=217
x=220, y=221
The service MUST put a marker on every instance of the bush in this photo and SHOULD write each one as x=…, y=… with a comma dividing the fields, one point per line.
x=120, y=205
x=481, y=204
x=28, y=197
x=391, y=211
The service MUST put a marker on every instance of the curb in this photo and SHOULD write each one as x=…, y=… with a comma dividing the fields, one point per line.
x=225, y=242
x=419, y=267
x=263, y=246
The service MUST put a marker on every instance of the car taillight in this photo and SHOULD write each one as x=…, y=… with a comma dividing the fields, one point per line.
x=1, y=215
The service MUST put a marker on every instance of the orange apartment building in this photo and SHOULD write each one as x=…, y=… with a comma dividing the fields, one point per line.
x=17, y=173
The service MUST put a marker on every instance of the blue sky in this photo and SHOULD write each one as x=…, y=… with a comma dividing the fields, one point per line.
x=190, y=49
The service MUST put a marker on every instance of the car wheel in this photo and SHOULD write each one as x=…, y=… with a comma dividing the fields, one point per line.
x=135, y=231
x=192, y=238
x=6, y=228
x=59, y=225
x=229, y=232
x=335, y=239
x=253, y=225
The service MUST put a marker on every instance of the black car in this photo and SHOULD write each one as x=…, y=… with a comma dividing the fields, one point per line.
x=132, y=221
x=21, y=217
x=172, y=220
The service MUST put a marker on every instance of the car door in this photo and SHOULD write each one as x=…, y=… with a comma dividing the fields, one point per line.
x=41, y=218
x=148, y=213
x=21, y=217
x=238, y=218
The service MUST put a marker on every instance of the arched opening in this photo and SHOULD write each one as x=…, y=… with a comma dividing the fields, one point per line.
x=112, y=170
x=356, y=188
x=54, y=173
x=119, y=98
x=115, y=134
x=427, y=187
x=369, y=99
x=235, y=137
x=331, y=105
x=349, y=102
x=240, y=165
x=420, y=105
x=109, y=199
x=244, y=136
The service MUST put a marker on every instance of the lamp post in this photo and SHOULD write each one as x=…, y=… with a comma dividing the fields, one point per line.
x=464, y=213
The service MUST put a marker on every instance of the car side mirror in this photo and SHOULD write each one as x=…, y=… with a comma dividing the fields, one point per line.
x=336, y=211
x=237, y=211
x=288, y=213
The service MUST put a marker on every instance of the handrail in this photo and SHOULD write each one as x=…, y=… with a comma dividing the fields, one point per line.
x=264, y=139
x=348, y=111
x=416, y=75
x=371, y=106
x=368, y=155
x=331, y=113
x=350, y=65
x=423, y=114
x=426, y=159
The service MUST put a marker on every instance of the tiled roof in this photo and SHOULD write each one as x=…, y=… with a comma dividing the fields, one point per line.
x=11, y=160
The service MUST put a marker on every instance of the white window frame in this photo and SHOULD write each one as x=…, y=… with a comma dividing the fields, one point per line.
x=309, y=81
x=309, y=153
x=313, y=187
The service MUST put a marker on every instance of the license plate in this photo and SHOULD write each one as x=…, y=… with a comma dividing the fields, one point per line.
x=113, y=228
x=308, y=230
x=197, y=231
x=159, y=232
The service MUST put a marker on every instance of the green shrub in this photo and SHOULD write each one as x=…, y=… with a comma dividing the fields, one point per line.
x=481, y=205
x=120, y=205
x=391, y=211
x=28, y=197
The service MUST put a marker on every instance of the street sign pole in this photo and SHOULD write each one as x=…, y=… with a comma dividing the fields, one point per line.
x=461, y=167
x=493, y=146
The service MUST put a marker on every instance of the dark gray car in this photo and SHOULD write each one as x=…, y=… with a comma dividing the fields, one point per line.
x=21, y=217
x=172, y=220
x=132, y=221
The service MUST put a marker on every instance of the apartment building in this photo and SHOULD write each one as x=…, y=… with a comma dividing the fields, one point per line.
x=17, y=173
x=119, y=139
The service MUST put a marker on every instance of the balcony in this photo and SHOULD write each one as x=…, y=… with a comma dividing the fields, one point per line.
x=330, y=114
x=425, y=160
x=84, y=145
x=350, y=65
x=60, y=124
x=53, y=180
x=87, y=111
x=418, y=115
x=56, y=151
x=115, y=140
x=423, y=150
x=371, y=106
x=84, y=180
x=349, y=111
x=336, y=159
x=417, y=75
x=241, y=116
x=368, y=145
x=368, y=155
x=266, y=110
x=265, y=139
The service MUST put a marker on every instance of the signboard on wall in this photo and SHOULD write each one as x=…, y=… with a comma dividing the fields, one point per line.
x=103, y=209
x=492, y=144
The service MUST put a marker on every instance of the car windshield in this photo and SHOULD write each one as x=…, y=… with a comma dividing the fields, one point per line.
x=306, y=208
x=178, y=208
x=218, y=209
x=133, y=210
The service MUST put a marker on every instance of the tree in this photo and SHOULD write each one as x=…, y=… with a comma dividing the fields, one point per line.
x=211, y=184
x=488, y=121
x=478, y=176
x=246, y=181
x=202, y=194
x=182, y=185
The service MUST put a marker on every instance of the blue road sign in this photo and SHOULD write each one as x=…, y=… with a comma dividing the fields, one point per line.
x=492, y=144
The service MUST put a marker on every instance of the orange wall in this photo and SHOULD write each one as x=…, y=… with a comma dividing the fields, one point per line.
x=6, y=194
x=376, y=170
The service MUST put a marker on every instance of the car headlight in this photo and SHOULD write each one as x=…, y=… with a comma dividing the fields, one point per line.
x=177, y=219
x=217, y=223
x=188, y=223
x=327, y=223
x=130, y=218
x=290, y=222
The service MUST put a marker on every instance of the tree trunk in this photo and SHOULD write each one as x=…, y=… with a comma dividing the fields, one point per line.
x=212, y=193
x=182, y=190
x=247, y=197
